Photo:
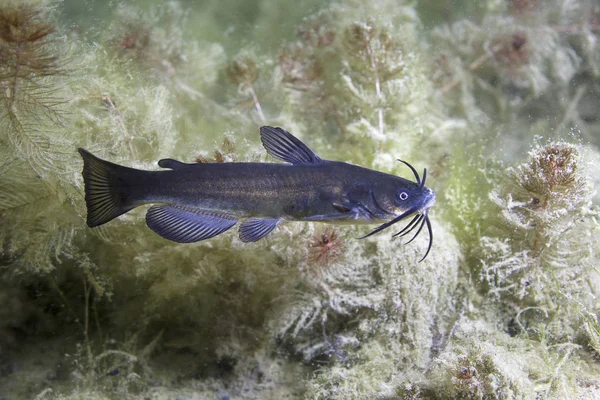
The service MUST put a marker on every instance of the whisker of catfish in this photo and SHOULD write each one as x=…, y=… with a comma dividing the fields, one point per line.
x=430, y=237
x=413, y=170
x=418, y=231
x=390, y=223
x=412, y=228
x=408, y=226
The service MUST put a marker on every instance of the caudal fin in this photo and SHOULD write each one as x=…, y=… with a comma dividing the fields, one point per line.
x=106, y=191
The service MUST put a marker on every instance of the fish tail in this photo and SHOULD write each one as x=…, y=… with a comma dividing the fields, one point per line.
x=107, y=189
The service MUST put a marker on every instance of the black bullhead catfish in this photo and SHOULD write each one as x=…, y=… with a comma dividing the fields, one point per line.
x=199, y=201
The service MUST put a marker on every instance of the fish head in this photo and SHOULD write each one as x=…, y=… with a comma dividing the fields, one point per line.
x=402, y=198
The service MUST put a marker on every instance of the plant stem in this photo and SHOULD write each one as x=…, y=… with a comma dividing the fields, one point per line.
x=481, y=60
x=112, y=107
x=256, y=103
x=377, y=87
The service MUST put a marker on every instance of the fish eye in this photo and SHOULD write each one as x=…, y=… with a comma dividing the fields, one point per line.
x=402, y=195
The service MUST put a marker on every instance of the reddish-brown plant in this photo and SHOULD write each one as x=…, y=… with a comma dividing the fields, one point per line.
x=226, y=153
x=326, y=246
x=27, y=59
x=513, y=50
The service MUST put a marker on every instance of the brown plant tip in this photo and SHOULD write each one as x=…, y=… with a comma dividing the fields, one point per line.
x=22, y=24
x=513, y=50
x=300, y=71
x=135, y=40
x=226, y=153
x=441, y=72
x=523, y=6
x=467, y=372
x=556, y=166
x=24, y=32
x=242, y=71
x=27, y=56
x=373, y=52
x=153, y=41
x=302, y=63
x=467, y=377
x=358, y=35
x=551, y=175
x=317, y=33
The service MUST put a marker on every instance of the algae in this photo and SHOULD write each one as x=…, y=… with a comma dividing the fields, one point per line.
x=497, y=99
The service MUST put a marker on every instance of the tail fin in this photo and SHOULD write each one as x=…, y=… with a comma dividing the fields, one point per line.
x=106, y=191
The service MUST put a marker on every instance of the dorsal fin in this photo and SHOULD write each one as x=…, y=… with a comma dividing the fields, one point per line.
x=283, y=145
x=172, y=164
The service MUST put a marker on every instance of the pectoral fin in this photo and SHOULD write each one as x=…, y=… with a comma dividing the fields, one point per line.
x=347, y=211
x=254, y=229
x=327, y=217
x=184, y=225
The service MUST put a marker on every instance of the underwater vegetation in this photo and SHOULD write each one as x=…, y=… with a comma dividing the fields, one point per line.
x=498, y=99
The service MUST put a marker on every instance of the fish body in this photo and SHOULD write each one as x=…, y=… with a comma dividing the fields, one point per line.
x=199, y=201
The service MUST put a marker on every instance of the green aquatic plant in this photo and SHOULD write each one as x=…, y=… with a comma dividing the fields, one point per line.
x=504, y=305
x=357, y=69
x=535, y=259
x=225, y=153
x=546, y=207
x=370, y=68
x=482, y=362
x=243, y=71
x=155, y=44
x=152, y=40
x=29, y=68
x=376, y=60
x=33, y=69
x=521, y=64
x=501, y=56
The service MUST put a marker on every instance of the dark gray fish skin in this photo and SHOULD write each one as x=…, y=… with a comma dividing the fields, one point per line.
x=199, y=201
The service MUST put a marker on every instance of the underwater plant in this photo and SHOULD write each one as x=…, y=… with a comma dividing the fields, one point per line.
x=526, y=64
x=226, y=153
x=244, y=72
x=497, y=99
x=33, y=69
x=327, y=246
x=547, y=210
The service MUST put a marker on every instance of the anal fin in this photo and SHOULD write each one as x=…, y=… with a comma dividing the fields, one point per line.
x=253, y=229
x=346, y=212
x=186, y=225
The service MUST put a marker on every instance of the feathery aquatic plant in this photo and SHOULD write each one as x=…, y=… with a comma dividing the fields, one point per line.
x=222, y=318
x=30, y=95
x=34, y=146
x=540, y=258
